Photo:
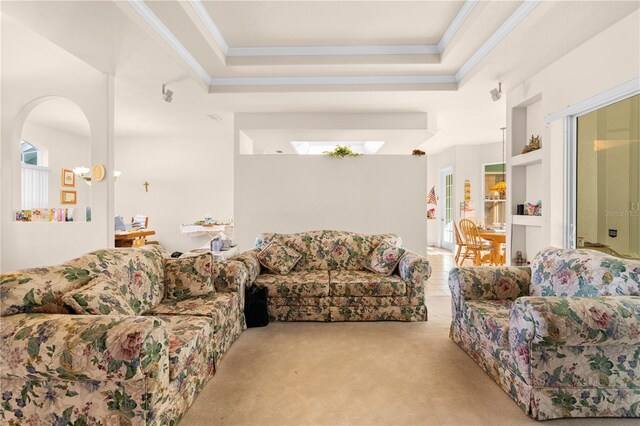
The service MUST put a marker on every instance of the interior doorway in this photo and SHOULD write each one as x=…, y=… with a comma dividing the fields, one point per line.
x=446, y=208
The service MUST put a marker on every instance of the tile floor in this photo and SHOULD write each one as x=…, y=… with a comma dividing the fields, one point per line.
x=441, y=263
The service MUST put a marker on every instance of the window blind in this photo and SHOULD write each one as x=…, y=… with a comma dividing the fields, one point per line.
x=35, y=187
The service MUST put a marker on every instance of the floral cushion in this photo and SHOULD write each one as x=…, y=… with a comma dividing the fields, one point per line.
x=188, y=277
x=384, y=258
x=490, y=318
x=365, y=283
x=296, y=284
x=37, y=289
x=101, y=297
x=186, y=335
x=560, y=272
x=278, y=258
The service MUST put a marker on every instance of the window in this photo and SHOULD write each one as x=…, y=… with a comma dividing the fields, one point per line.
x=35, y=178
x=607, y=179
x=494, y=209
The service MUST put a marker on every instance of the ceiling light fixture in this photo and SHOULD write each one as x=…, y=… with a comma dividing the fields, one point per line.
x=167, y=94
x=496, y=94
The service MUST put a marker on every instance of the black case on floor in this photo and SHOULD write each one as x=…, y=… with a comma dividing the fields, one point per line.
x=255, y=307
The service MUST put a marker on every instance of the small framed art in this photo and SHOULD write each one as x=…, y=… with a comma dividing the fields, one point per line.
x=68, y=197
x=68, y=178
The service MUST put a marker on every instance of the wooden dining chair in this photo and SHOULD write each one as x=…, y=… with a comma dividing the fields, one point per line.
x=460, y=244
x=475, y=246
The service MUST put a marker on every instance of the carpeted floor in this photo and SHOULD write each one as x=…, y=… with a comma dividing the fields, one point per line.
x=380, y=373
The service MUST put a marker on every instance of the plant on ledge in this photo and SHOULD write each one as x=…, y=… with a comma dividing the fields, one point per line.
x=341, y=152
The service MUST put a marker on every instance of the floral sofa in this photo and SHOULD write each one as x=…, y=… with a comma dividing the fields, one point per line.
x=562, y=338
x=135, y=356
x=329, y=282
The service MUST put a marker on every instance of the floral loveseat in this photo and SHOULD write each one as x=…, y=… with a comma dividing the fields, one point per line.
x=136, y=355
x=329, y=282
x=562, y=338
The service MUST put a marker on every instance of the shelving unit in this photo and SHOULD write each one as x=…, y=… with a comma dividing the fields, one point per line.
x=525, y=177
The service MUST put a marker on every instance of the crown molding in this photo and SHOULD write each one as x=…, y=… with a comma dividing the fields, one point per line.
x=337, y=80
x=457, y=22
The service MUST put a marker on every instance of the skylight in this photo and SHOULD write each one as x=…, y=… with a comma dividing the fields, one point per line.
x=320, y=147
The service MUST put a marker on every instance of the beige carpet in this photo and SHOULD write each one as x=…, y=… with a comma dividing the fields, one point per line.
x=380, y=373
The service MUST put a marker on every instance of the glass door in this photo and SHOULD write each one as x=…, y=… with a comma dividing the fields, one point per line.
x=607, y=179
x=446, y=214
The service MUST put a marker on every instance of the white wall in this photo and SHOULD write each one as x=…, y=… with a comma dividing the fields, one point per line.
x=188, y=179
x=607, y=60
x=32, y=70
x=467, y=162
x=65, y=151
x=370, y=194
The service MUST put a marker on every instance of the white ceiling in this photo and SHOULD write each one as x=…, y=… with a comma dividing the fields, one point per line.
x=111, y=38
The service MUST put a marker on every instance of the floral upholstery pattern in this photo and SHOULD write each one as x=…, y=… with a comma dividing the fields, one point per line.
x=101, y=297
x=30, y=289
x=384, y=258
x=558, y=272
x=324, y=250
x=565, y=343
x=189, y=276
x=278, y=258
x=330, y=275
x=113, y=366
x=364, y=283
x=296, y=284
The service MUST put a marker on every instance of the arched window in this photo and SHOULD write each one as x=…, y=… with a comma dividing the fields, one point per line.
x=29, y=154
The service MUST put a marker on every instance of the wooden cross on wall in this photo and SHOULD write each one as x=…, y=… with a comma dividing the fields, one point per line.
x=146, y=186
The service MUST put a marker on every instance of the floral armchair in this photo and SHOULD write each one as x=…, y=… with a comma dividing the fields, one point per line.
x=97, y=340
x=562, y=338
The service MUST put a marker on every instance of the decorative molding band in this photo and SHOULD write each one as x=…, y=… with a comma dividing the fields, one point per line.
x=338, y=80
x=425, y=49
x=617, y=93
x=211, y=26
x=512, y=22
x=164, y=32
x=457, y=22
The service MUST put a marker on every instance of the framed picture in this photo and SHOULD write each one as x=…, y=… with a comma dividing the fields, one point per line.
x=68, y=178
x=68, y=197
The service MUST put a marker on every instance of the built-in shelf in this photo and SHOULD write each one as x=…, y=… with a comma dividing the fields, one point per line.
x=527, y=159
x=524, y=220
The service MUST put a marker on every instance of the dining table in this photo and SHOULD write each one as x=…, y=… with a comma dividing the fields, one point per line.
x=496, y=239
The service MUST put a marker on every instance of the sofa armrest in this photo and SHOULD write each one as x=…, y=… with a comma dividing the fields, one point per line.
x=415, y=270
x=487, y=283
x=575, y=321
x=84, y=347
x=250, y=260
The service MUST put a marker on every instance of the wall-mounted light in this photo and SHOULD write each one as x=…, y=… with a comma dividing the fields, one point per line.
x=84, y=174
x=167, y=95
x=496, y=93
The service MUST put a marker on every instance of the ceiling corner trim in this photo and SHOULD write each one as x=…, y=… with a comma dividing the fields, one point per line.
x=509, y=25
x=457, y=22
x=211, y=26
x=154, y=22
x=331, y=80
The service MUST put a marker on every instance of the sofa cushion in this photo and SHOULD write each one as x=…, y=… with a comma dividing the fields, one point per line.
x=561, y=272
x=100, y=297
x=365, y=283
x=490, y=319
x=221, y=307
x=189, y=276
x=186, y=334
x=384, y=258
x=139, y=272
x=327, y=249
x=278, y=258
x=37, y=289
x=296, y=284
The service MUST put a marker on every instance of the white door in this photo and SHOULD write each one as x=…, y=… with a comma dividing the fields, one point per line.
x=446, y=209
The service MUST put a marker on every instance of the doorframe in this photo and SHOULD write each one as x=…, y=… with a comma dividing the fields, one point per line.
x=448, y=170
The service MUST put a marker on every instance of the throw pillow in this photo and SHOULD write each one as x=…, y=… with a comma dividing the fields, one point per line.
x=190, y=276
x=278, y=258
x=384, y=258
x=100, y=297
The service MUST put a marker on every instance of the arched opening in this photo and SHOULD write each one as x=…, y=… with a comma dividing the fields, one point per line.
x=55, y=139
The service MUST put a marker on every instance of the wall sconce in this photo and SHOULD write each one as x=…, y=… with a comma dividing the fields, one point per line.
x=84, y=174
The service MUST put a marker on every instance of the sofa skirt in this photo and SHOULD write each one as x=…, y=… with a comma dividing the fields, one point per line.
x=346, y=313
